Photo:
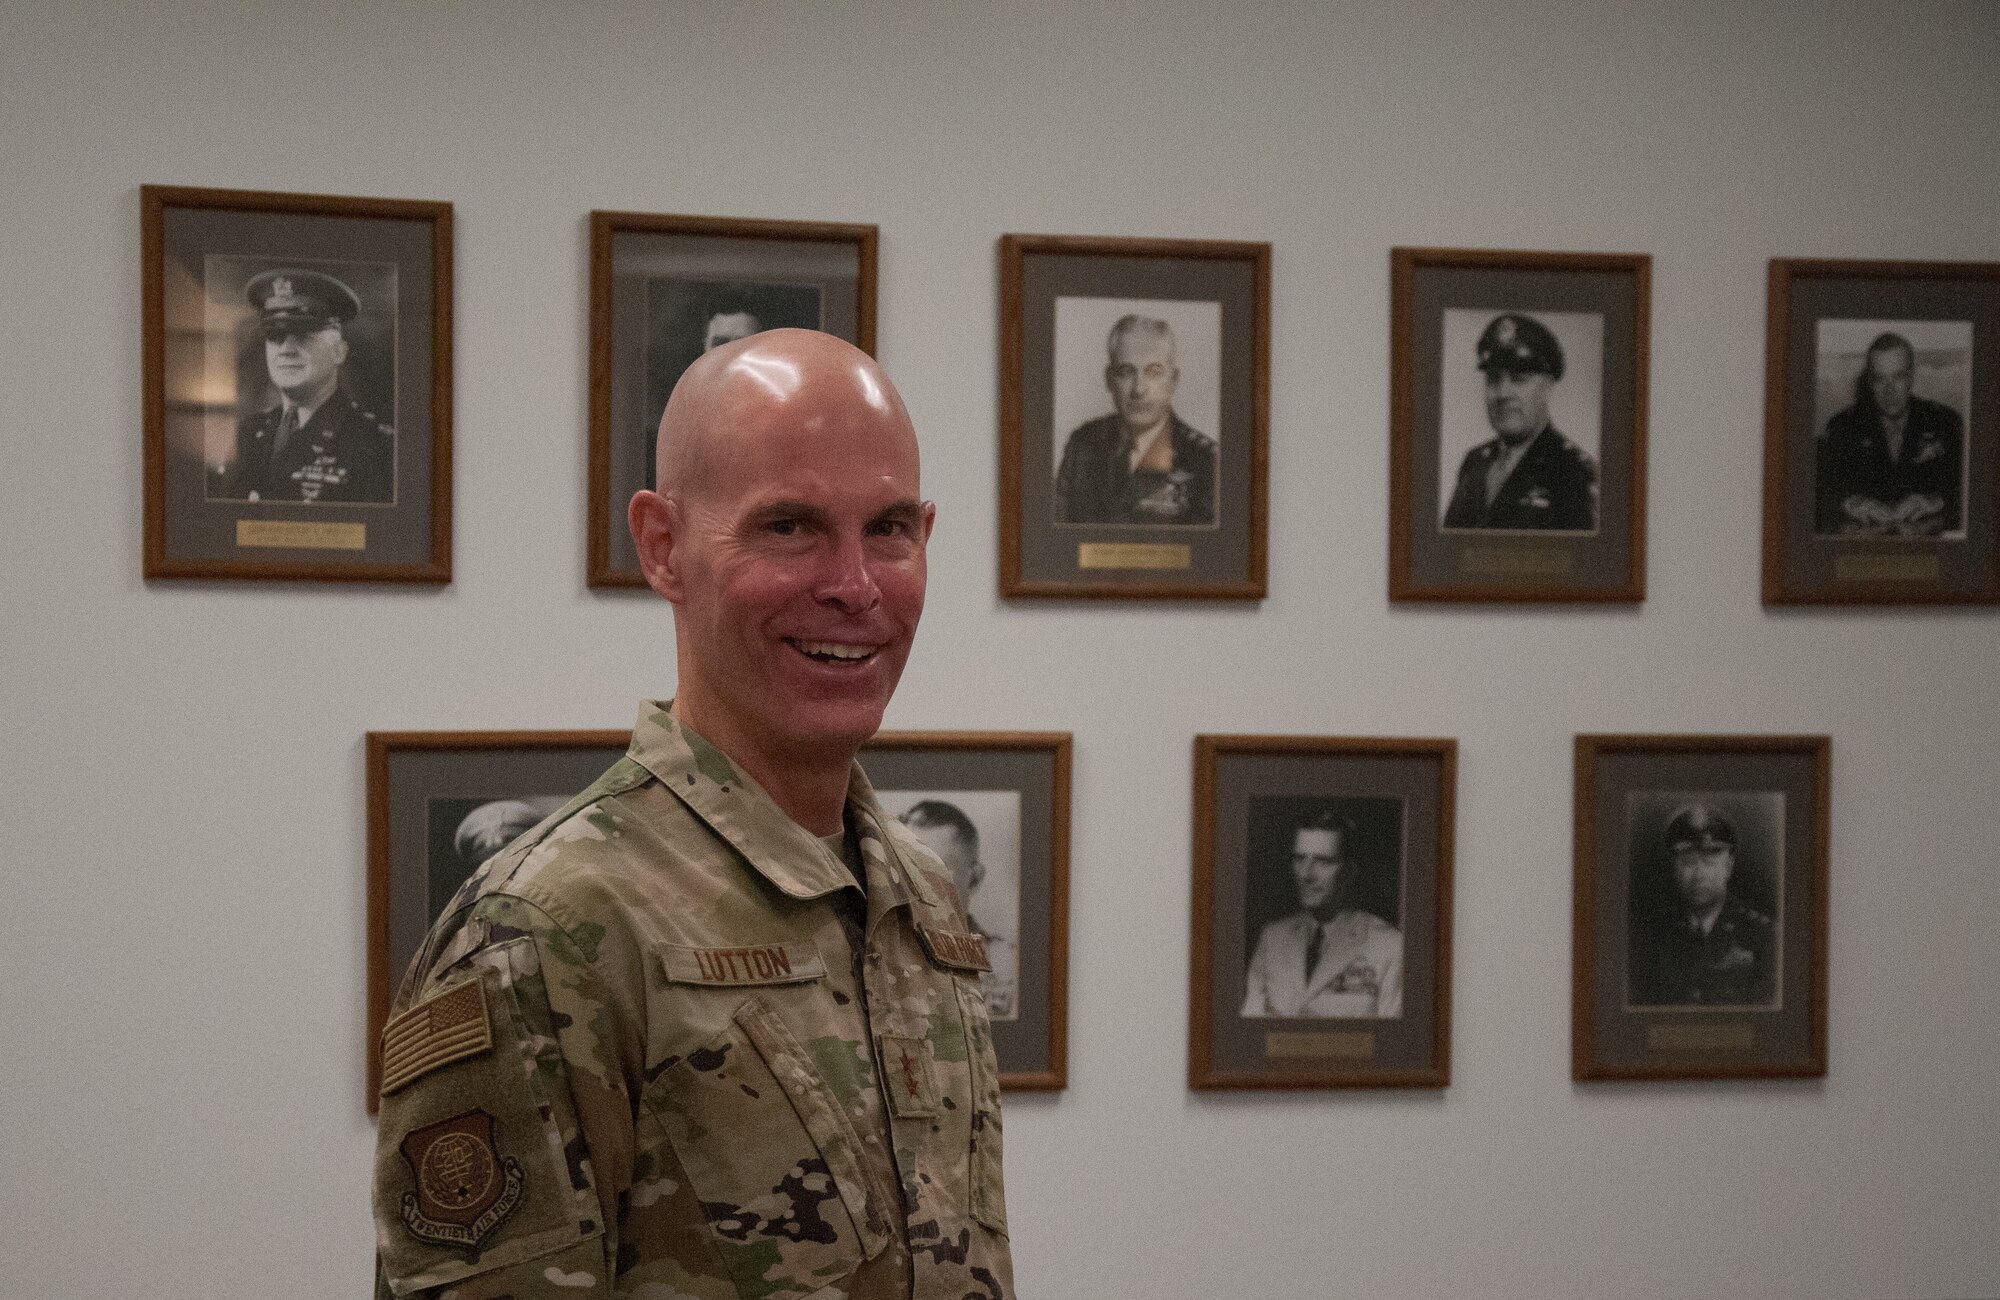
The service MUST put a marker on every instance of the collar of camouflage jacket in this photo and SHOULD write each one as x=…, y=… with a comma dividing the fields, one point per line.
x=735, y=807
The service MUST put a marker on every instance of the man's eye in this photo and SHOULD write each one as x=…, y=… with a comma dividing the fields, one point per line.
x=888, y=528
x=784, y=527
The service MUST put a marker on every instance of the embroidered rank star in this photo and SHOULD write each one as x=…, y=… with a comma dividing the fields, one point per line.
x=906, y=1077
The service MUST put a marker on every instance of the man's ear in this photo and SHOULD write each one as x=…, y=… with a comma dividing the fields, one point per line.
x=656, y=531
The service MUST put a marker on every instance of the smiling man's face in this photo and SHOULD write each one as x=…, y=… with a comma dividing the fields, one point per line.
x=304, y=361
x=797, y=571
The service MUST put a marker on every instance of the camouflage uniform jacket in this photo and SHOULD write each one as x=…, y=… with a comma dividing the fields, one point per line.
x=664, y=1047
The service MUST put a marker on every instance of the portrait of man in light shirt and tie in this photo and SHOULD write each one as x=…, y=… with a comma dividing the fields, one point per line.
x=1333, y=957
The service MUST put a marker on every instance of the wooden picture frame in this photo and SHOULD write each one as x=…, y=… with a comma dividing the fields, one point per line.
x=1561, y=340
x=1294, y=830
x=297, y=365
x=1862, y=507
x=439, y=804
x=665, y=287
x=1181, y=516
x=1012, y=788
x=1699, y=946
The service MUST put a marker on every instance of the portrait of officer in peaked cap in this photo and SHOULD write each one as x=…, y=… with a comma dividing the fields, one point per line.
x=1528, y=475
x=1704, y=932
x=302, y=432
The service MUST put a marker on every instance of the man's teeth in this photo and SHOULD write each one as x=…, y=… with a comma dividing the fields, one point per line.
x=834, y=649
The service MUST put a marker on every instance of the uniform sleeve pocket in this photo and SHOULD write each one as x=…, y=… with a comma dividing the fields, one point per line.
x=471, y=1176
x=988, y=1191
x=772, y=1156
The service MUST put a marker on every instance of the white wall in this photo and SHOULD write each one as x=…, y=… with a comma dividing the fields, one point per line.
x=182, y=778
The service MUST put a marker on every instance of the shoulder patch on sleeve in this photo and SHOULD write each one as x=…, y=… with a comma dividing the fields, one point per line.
x=464, y=1185
x=447, y=1026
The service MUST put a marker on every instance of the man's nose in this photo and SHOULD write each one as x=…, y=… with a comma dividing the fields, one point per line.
x=848, y=583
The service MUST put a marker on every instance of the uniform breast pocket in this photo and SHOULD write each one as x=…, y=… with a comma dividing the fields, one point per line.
x=772, y=1156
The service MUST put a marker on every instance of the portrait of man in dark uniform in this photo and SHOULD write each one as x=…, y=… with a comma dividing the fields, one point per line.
x=1142, y=464
x=315, y=441
x=1892, y=464
x=1528, y=475
x=1697, y=942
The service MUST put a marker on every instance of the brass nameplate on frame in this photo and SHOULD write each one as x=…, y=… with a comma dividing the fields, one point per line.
x=1885, y=568
x=1736, y=1037
x=1344, y=1044
x=1490, y=561
x=300, y=535
x=1134, y=555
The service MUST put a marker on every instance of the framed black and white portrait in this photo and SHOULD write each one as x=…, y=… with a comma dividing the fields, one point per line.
x=1880, y=414
x=1321, y=950
x=1133, y=395
x=1323, y=908
x=1700, y=914
x=667, y=288
x=297, y=386
x=1705, y=914
x=977, y=833
x=994, y=807
x=1518, y=408
x=439, y=804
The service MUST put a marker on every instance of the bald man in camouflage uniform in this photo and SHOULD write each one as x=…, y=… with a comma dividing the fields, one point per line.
x=714, y=1030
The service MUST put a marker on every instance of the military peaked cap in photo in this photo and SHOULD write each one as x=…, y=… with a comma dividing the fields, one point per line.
x=1700, y=826
x=1520, y=345
x=301, y=298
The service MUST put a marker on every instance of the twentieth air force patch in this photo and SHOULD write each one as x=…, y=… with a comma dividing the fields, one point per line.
x=465, y=1187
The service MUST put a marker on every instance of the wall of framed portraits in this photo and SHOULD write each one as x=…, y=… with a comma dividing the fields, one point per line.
x=185, y=769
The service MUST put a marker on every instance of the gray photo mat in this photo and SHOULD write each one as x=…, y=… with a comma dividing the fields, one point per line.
x=1781, y=1037
x=639, y=257
x=1049, y=554
x=1966, y=565
x=1402, y=1045
x=1021, y=1044
x=1595, y=561
x=197, y=528
x=417, y=776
